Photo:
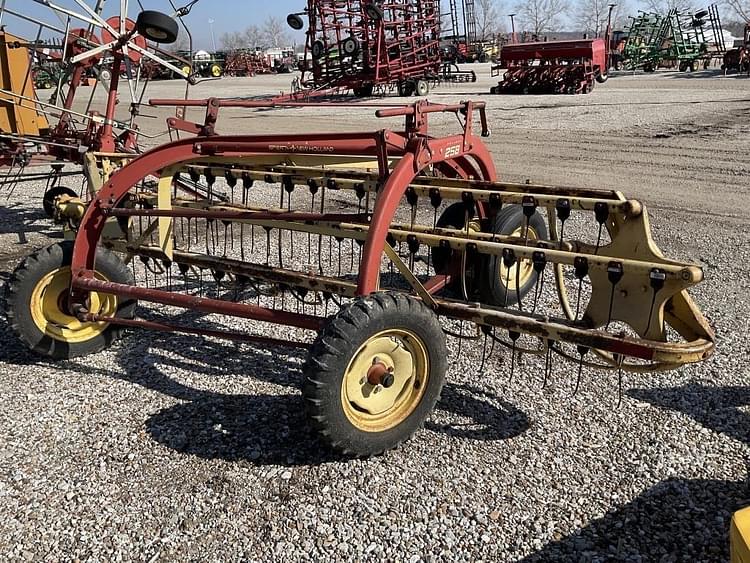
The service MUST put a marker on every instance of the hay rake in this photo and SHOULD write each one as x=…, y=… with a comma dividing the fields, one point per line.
x=361, y=243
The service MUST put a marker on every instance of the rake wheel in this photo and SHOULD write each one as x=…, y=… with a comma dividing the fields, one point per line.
x=36, y=303
x=503, y=286
x=157, y=27
x=374, y=373
x=48, y=201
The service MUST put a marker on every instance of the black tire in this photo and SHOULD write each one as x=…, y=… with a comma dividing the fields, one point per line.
x=406, y=88
x=602, y=77
x=364, y=91
x=157, y=27
x=452, y=217
x=374, y=12
x=422, y=88
x=21, y=287
x=683, y=66
x=350, y=47
x=506, y=222
x=341, y=342
x=49, y=197
x=295, y=22
x=318, y=50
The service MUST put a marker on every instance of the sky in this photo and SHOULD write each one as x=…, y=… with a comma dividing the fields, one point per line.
x=227, y=15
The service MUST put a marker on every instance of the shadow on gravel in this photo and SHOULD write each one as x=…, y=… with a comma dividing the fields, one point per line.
x=678, y=519
x=717, y=408
x=15, y=219
x=674, y=521
x=259, y=428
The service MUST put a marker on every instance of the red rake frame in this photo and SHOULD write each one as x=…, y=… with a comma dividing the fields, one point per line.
x=462, y=156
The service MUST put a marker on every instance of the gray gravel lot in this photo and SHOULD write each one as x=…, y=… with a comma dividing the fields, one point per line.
x=173, y=447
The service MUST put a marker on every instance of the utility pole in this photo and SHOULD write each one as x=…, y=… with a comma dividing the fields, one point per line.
x=512, y=28
x=213, y=39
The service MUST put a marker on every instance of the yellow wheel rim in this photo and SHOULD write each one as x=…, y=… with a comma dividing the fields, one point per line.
x=186, y=70
x=385, y=380
x=216, y=71
x=50, y=317
x=508, y=275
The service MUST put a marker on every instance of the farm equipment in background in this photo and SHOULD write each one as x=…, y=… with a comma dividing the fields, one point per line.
x=369, y=247
x=370, y=47
x=738, y=57
x=35, y=132
x=247, y=62
x=676, y=40
x=554, y=67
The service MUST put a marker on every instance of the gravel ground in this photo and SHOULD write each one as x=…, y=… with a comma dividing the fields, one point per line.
x=171, y=447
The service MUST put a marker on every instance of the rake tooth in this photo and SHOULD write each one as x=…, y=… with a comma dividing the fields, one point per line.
x=528, y=205
x=581, y=267
x=514, y=336
x=486, y=329
x=614, y=274
x=268, y=244
x=509, y=258
x=582, y=351
x=547, y=363
x=539, y=261
x=562, y=207
x=226, y=228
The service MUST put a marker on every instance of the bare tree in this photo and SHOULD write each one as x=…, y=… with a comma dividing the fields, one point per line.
x=274, y=33
x=540, y=16
x=232, y=41
x=664, y=6
x=254, y=38
x=488, y=19
x=739, y=7
x=590, y=16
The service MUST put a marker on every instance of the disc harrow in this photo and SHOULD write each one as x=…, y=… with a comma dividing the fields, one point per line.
x=371, y=247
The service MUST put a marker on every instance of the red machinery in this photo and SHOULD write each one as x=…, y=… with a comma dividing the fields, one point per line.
x=556, y=67
x=247, y=63
x=363, y=44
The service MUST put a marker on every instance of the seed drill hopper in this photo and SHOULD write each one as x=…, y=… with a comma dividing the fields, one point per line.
x=371, y=248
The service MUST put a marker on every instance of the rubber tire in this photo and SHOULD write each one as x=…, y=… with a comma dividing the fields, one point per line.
x=105, y=74
x=295, y=22
x=422, y=88
x=452, y=217
x=48, y=199
x=332, y=351
x=601, y=78
x=150, y=21
x=406, y=88
x=350, y=47
x=318, y=50
x=506, y=221
x=364, y=91
x=24, y=279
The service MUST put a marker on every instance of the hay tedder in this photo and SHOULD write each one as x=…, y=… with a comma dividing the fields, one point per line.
x=369, y=248
x=36, y=132
x=554, y=67
x=369, y=46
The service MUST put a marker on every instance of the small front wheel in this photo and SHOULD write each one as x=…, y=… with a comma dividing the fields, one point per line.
x=374, y=373
x=36, y=301
x=50, y=198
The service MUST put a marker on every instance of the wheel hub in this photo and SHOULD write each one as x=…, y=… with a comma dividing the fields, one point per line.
x=384, y=380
